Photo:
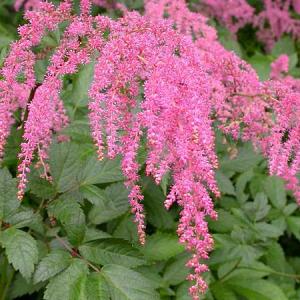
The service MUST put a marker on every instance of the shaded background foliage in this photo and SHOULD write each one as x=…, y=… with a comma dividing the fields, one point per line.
x=74, y=238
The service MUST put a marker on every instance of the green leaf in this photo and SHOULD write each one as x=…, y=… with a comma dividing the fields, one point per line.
x=176, y=272
x=224, y=183
x=72, y=166
x=157, y=215
x=8, y=194
x=182, y=292
x=241, y=184
x=93, y=234
x=245, y=160
x=257, y=289
x=55, y=262
x=79, y=131
x=112, y=251
x=65, y=165
x=68, y=285
x=221, y=291
x=72, y=217
x=275, y=257
x=21, y=250
x=105, y=171
x=266, y=230
x=275, y=190
x=22, y=217
x=40, y=186
x=261, y=63
x=255, y=270
x=162, y=246
x=125, y=284
x=259, y=208
x=111, y=203
x=96, y=287
x=94, y=194
x=126, y=229
x=285, y=45
x=80, y=85
x=225, y=222
x=294, y=225
x=21, y=287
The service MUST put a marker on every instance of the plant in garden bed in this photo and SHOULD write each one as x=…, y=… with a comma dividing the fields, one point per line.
x=153, y=95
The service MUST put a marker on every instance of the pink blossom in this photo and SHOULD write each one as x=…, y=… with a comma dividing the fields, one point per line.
x=279, y=67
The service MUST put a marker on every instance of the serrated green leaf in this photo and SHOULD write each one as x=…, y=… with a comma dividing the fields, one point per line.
x=80, y=85
x=40, y=186
x=246, y=159
x=261, y=63
x=111, y=204
x=224, y=183
x=93, y=234
x=112, y=251
x=65, y=165
x=94, y=171
x=241, y=184
x=157, y=215
x=257, y=289
x=79, y=131
x=222, y=291
x=259, y=208
x=225, y=222
x=21, y=218
x=126, y=284
x=161, y=246
x=275, y=190
x=8, y=194
x=20, y=287
x=126, y=229
x=68, y=285
x=255, y=270
x=94, y=194
x=96, y=287
x=285, y=45
x=72, y=166
x=176, y=272
x=21, y=250
x=294, y=225
x=266, y=230
x=182, y=292
x=72, y=217
x=275, y=257
x=55, y=262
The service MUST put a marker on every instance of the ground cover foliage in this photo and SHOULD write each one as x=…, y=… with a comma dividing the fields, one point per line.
x=74, y=237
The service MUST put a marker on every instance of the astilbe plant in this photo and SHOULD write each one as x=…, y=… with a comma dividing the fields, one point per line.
x=151, y=80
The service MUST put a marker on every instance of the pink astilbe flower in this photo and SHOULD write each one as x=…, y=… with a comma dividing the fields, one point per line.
x=279, y=67
x=18, y=71
x=185, y=21
x=234, y=14
x=272, y=22
x=277, y=16
x=35, y=4
x=27, y=4
x=245, y=108
x=176, y=89
x=46, y=111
